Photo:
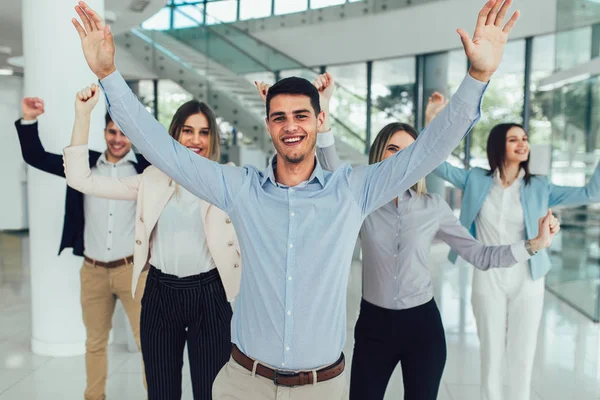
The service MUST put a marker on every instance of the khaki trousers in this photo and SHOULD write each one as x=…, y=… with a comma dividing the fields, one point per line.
x=100, y=289
x=235, y=382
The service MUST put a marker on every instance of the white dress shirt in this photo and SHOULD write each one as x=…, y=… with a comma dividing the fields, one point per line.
x=178, y=246
x=501, y=220
x=109, y=232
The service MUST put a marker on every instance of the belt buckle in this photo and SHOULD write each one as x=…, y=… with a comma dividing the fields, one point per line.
x=282, y=373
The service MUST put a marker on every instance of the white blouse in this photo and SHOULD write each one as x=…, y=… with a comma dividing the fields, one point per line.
x=501, y=219
x=178, y=246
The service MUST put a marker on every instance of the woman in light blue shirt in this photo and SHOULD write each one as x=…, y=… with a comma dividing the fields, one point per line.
x=501, y=205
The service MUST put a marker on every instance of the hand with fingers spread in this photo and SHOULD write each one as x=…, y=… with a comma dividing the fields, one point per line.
x=86, y=100
x=548, y=226
x=325, y=84
x=32, y=107
x=435, y=104
x=96, y=40
x=486, y=48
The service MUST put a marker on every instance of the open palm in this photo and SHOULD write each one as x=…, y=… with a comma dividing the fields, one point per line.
x=96, y=40
x=486, y=48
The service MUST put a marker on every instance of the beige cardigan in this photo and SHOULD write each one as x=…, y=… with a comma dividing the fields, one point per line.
x=152, y=189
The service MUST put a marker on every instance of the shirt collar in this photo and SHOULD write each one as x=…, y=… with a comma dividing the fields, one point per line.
x=129, y=157
x=498, y=180
x=269, y=173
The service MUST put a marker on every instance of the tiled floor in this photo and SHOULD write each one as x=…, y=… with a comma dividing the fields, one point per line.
x=567, y=363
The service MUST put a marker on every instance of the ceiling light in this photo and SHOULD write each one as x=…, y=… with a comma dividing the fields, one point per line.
x=6, y=71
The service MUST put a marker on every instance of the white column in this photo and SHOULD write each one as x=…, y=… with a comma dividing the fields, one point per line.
x=13, y=213
x=55, y=70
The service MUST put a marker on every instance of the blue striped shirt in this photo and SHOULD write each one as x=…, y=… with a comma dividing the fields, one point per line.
x=296, y=242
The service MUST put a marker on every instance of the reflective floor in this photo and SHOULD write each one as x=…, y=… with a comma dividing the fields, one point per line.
x=567, y=362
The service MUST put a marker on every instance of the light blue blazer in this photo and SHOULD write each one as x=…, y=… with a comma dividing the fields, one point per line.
x=536, y=197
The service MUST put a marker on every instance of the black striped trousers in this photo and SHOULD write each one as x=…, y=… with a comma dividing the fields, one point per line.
x=176, y=311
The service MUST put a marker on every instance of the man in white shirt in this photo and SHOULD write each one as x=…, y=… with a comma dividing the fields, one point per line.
x=100, y=230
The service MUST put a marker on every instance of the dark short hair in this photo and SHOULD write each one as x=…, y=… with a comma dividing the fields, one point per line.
x=496, y=149
x=383, y=137
x=295, y=86
x=193, y=107
x=107, y=119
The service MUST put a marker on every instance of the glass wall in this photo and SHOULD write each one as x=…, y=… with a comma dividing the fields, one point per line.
x=503, y=101
x=349, y=103
x=393, y=93
x=573, y=112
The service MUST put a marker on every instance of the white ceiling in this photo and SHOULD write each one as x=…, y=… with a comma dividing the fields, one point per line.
x=10, y=22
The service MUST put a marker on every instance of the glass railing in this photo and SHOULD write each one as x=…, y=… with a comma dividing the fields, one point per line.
x=244, y=54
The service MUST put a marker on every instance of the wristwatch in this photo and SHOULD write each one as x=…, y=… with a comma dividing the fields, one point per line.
x=529, y=248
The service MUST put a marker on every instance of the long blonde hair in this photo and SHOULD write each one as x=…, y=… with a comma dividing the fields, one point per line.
x=383, y=139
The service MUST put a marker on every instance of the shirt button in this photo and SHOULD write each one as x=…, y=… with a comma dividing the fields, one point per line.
x=289, y=313
x=395, y=255
x=292, y=213
x=287, y=348
x=110, y=215
x=109, y=231
x=395, y=298
x=283, y=364
x=236, y=266
x=109, y=249
x=289, y=278
x=230, y=244
x=142, y=220
x=395, y=277
x=138, y=242
x=227, y=221
x=291, y=245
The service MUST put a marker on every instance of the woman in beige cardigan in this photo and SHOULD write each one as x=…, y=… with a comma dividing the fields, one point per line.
x=188, y=247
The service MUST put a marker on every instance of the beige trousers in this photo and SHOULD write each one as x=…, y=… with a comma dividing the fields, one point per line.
x=100, y=289
x=235, y=382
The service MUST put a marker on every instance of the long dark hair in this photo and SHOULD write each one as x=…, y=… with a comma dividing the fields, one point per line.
x=193, y=107
x=496, y=150
x=381, y=141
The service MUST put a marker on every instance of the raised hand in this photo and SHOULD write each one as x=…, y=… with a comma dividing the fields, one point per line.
x=32, y=107
x=435, y=104
x=486, y=48
x=263, y=89
x=86, y=100
x=96, y=40
x=325, y=84
x=548, y=226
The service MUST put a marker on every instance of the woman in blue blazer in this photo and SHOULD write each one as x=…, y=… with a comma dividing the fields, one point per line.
x=500, y=205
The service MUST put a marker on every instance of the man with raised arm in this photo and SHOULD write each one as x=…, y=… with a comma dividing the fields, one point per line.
x=297, y=224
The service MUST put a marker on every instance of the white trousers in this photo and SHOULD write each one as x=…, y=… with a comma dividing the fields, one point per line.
x=507, y=305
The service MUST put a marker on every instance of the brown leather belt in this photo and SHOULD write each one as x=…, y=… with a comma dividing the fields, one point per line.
x=289, y=378
x=111, y=264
